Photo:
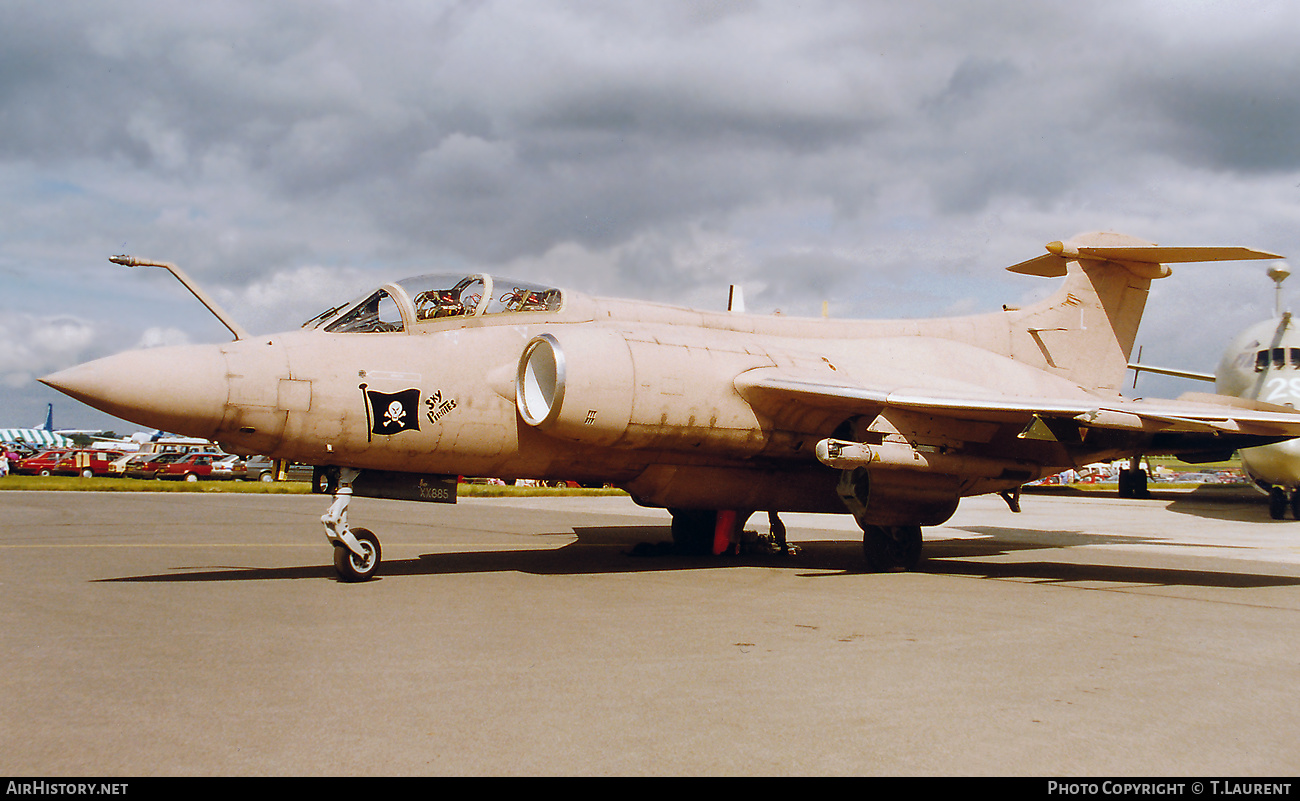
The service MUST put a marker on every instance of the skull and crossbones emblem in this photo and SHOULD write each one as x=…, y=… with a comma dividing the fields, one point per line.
x=395, y=414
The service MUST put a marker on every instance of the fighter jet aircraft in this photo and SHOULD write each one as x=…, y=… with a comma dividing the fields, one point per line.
x=1262, y=363
x=713, y=415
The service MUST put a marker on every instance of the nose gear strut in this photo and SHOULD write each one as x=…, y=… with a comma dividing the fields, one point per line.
x=356, y=551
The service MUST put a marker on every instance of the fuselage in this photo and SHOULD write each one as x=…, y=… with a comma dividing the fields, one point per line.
x=422, y=376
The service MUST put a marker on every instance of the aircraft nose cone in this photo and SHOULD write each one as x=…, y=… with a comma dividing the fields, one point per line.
x=179, y=389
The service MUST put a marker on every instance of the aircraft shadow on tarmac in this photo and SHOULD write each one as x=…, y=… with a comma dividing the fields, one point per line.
x=1250, y=510
x=1211, y=502
x=622, y=549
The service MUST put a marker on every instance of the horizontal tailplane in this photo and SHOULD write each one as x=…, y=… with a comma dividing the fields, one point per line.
x=1085, y=332
x=1059, y=254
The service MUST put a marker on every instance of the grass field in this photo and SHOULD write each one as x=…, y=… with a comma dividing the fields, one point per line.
x=78, y=484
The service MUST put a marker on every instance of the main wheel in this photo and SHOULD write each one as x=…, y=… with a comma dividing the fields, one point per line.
x=1139, y=485
x=891, y=549
x=1125, y=484
x=1277, y=502
x=1133, y=484
x=351, y=567
x=693, y=530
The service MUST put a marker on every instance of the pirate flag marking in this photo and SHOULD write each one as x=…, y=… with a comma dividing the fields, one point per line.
x=393, y=412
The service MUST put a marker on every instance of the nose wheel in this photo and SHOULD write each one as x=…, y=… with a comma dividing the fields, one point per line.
x=356, y=550
x=357, y=567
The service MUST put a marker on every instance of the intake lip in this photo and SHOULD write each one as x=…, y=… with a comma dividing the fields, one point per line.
x=540, y=381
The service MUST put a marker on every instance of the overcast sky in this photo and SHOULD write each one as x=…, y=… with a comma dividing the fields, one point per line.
x=890, y=158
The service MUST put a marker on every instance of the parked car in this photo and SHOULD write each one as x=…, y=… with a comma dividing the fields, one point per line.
x=150, y=464
x=42, y=464
x=118, y=466
x=152, y=449
x=86, y=462
x=191, y=467
x=229, y=467
x=262, y=468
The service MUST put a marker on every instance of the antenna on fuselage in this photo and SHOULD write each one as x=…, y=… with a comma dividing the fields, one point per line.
x=1279, y=272
x=736, y=299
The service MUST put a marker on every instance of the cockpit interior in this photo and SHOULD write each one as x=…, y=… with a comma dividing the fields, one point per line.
x=397, y=306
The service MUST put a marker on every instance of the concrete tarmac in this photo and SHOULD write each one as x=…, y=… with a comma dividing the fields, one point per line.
x=205, y=634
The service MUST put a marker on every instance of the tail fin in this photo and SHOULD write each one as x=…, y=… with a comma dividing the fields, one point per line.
x=1085, y=332
x=49, y=418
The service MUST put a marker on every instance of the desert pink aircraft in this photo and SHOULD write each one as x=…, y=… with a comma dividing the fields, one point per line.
x=713, y=415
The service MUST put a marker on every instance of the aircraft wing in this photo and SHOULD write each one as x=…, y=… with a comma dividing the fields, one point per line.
x=779, y=393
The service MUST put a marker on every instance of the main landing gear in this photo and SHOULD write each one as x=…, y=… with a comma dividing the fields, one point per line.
x=1278, y=501
x=895, y=548
x=891, y=549
x=1133, y=480
x=701, y=532
x=356, y=550
x=1133, y=483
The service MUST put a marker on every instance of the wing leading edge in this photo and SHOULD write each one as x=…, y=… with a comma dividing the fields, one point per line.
x=780, y=394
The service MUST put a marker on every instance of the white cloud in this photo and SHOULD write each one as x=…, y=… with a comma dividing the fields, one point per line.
x=33, y=345
x=157, y=337
x=285, y=299
x=890, y=157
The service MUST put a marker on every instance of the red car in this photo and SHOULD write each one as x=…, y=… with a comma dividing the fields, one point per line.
x=86, y=463
x=192, y=467
x=42, y=464
x=151, y=465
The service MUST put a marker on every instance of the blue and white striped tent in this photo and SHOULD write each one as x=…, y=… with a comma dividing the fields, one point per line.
x=43, y=437
x=35, y=436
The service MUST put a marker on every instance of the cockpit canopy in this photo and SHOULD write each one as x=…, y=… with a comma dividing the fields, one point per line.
x=397, y=306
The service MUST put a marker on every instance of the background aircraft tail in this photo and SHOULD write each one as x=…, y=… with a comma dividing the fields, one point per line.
x=1085, y=331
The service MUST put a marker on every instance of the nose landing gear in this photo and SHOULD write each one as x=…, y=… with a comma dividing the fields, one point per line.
x=356, y=550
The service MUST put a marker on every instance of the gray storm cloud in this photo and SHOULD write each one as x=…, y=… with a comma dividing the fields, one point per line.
x=888, y=158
